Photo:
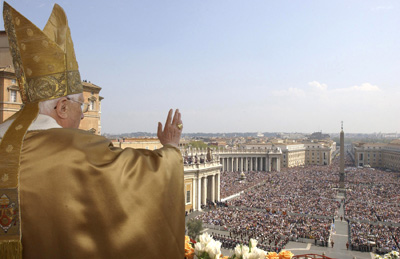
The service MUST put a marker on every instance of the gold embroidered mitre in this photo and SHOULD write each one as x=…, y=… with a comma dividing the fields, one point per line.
x=44, y=61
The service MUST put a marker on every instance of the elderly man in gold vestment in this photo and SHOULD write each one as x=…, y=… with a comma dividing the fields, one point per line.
x=66, y=193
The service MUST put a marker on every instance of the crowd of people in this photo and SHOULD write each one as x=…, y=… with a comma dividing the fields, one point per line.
x=299, y=190
x=366, y=236
x=301, y=202
x=232, y=182
x=373, y=195
x=272, y=230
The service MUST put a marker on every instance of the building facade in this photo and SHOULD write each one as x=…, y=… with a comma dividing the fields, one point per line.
x=202, y=184
x=319, y=153
x=10, y=100
x=92, y=119
x=294, y=153
x=379, y=155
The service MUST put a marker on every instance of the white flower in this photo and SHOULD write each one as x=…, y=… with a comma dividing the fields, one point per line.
x=260, y=253
x=253, y=243
x=395, y=253
x=213, y=249
x=256, y=253
x=238, y=251
x=245, y=250
x=205, y=239
x=199, y=248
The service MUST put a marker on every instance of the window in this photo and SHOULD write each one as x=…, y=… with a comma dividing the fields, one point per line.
x=13, y=96
x=91, y=105
x=13, y=81
x=187, y=196
x=188, y=188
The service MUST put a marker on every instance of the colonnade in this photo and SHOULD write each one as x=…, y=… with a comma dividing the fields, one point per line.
x=203, y=180
x=202, y=177
x=206, y=188
x=250, y=163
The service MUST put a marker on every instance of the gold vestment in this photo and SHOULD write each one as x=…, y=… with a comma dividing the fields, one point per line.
x=81, y=197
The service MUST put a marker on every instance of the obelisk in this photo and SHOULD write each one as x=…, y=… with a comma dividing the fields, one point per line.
x=341, y=173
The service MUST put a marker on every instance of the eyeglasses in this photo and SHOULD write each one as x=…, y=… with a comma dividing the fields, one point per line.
x=84, y=106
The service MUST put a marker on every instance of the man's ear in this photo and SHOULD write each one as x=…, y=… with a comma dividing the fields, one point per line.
x=62, y=108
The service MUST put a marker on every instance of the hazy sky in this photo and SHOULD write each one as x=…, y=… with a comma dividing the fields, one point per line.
x=238, y=66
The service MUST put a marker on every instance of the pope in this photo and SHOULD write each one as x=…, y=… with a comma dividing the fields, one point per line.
x=66, y=193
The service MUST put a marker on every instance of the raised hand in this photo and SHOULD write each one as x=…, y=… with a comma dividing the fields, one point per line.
x=172, y=130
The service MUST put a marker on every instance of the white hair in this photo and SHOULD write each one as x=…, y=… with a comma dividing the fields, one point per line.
x=47, y=107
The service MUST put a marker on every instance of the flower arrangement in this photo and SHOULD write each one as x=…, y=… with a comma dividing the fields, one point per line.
x=391, y=255
x=189, y=250
x=208, y=248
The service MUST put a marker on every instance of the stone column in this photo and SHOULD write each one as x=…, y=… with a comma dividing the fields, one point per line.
x=232, y=164
x=256, y=167
x=265, y=164
x=194, y=194
x=199, y=192
x=218, y=190
x=204, y=201
x=237, y=163
x=246, y=164
x=213, y=188
x=265, y=161
x=278, y=164
x=251, y=164
x=269, y=164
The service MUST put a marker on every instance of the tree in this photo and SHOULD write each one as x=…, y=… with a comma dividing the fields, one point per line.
x=198, y=144
x=195, y=226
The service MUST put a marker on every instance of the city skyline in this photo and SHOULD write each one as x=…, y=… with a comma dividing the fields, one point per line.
x=234, y=66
